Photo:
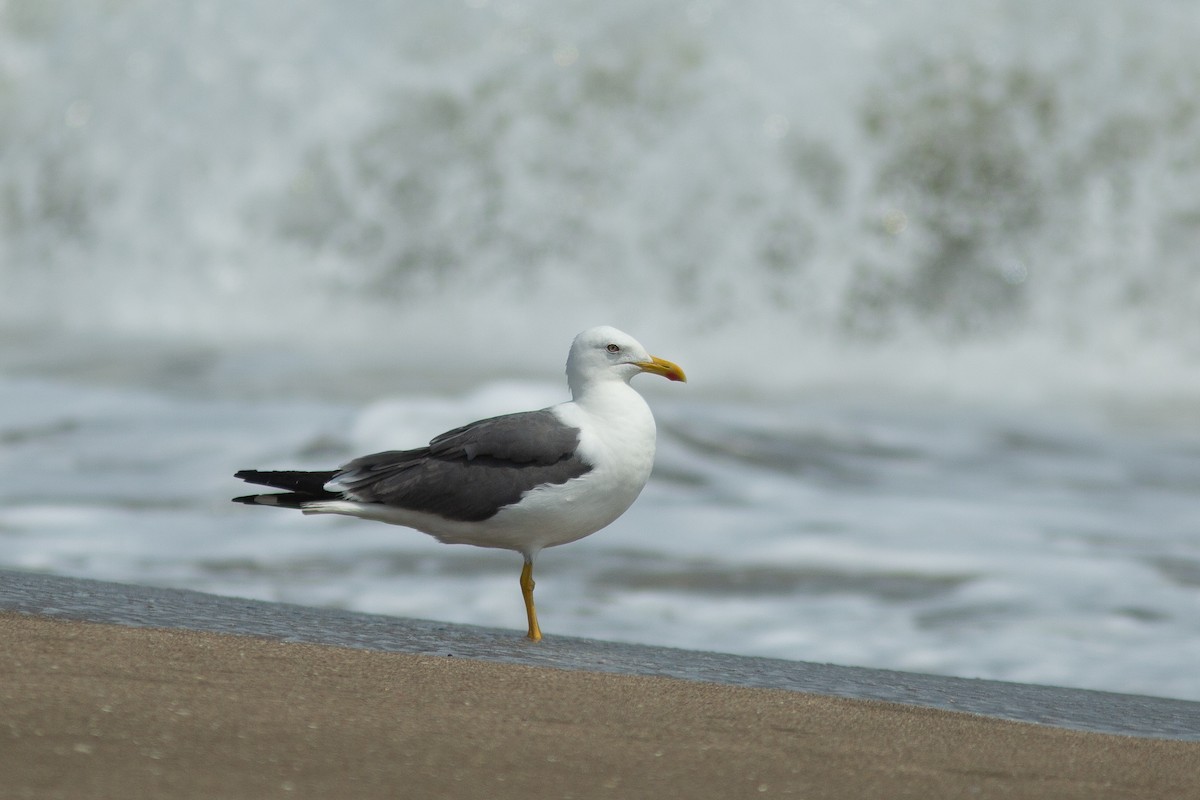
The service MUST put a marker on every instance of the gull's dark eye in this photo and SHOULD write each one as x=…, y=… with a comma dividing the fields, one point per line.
x=612, y=348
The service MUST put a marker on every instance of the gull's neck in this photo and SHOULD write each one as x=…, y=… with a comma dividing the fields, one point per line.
x=614, y=400
x=585, y=390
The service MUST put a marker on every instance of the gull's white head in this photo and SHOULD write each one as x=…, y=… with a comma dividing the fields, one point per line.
x=605, y=353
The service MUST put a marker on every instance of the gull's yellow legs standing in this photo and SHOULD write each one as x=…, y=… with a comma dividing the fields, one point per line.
x=535, y=633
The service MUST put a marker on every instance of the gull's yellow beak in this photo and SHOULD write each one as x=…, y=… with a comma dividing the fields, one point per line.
x=660, y=366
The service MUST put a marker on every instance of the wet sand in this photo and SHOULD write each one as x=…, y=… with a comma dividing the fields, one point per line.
x=98, y=710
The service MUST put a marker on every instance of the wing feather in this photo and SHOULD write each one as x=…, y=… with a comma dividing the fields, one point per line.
x=471, y=472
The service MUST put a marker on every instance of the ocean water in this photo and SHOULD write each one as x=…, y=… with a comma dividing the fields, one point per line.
x=931, y=272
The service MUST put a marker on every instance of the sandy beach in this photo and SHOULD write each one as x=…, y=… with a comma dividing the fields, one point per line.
x=96, y=710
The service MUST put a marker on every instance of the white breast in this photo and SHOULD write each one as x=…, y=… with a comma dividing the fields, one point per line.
x=616, y=438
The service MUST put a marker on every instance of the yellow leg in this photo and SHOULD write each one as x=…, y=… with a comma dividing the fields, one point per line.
x=535, y=633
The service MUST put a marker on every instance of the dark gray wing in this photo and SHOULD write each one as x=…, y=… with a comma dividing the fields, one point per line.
x=471, y=472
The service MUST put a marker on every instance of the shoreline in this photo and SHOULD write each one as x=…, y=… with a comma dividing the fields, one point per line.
x=101, y=710
x=102, y=602
x=173, y=695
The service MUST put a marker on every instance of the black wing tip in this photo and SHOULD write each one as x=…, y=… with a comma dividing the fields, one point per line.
x=299, y=481
x=281, y=500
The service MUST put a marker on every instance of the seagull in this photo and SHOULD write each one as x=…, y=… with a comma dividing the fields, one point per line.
x=523, y=481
